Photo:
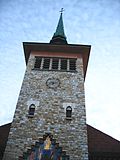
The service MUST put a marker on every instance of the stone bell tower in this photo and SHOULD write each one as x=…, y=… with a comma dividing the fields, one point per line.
x=50, y=118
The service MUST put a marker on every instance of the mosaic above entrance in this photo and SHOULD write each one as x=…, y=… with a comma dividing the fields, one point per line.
x=45, y=149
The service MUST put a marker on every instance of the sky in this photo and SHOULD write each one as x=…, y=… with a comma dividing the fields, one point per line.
x=95, y=23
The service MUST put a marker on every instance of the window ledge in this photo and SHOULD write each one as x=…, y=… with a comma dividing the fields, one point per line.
x=37, y=69
x=68, y=118
x=30, y=116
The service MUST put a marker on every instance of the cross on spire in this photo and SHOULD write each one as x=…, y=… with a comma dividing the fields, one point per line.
x=61, y=11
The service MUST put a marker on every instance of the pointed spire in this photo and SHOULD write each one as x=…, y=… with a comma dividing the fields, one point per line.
x=60, y=28
x=59, y=35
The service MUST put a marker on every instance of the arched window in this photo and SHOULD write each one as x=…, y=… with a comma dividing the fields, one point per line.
x=31, y=110
x=69, y=112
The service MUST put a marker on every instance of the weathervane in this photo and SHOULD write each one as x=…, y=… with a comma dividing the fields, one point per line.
x=61, y=11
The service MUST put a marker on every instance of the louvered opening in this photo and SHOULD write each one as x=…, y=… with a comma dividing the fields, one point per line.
x=55, y=62
x=72, y=64
x=63, y=64
x=37, y=62
x=46, y=63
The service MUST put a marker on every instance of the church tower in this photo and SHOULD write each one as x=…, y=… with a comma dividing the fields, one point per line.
x=50, y=117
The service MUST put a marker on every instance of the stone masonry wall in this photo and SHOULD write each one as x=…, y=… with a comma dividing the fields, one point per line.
x=50, y=113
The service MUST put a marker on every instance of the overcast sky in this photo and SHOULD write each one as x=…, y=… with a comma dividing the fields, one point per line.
x=92, y=22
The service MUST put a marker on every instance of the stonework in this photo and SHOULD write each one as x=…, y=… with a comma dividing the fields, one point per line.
x=50, y=116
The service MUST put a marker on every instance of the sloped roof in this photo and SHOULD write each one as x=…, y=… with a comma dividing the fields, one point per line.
x=4, y=131
x=100, y=145
x=101, y=142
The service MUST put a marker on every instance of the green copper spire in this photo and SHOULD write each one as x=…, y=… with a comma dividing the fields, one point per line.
x=59, y=36
x=60, y=28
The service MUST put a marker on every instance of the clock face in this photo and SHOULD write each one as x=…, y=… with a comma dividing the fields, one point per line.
x=53, y=82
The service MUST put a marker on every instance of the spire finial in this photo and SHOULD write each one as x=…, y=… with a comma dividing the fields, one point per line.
x=61, y=11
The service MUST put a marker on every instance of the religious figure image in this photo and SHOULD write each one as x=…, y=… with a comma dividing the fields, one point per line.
x=46, y=153
x=46, y=150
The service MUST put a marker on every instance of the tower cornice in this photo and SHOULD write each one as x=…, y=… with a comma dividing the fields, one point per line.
x=83, y=50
